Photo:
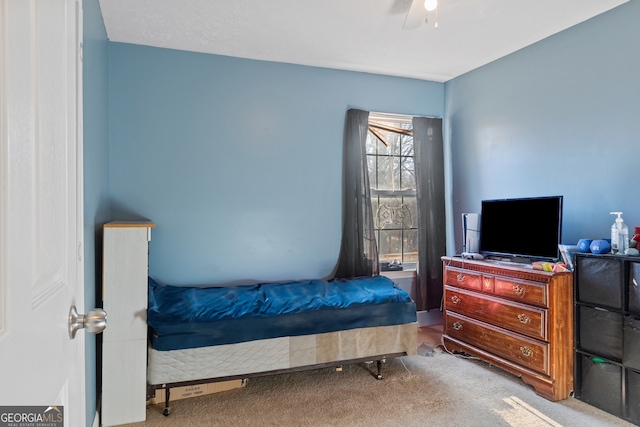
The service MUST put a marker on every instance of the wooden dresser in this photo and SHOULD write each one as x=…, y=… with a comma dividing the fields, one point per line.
x=514, y=317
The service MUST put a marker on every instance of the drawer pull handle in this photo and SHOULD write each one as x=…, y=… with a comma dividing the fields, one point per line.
x=455, y=299
x=457, y=326
x=461, y=278
x=523, y=318
x=526, y=351
x=518, y=290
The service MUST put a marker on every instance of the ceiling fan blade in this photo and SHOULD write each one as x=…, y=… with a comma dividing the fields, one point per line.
x=416, y=15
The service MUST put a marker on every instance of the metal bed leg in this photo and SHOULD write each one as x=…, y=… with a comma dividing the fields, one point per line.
x=379, y=363
x=167, y=408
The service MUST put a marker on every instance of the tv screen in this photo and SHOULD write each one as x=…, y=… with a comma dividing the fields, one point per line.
x=528, y=227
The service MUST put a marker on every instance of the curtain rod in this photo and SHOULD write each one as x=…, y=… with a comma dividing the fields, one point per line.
x=395, y=117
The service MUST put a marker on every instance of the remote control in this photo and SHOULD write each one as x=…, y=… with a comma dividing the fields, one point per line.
x=472, y=255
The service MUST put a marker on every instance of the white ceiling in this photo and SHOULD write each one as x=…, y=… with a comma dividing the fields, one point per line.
x=355, y=35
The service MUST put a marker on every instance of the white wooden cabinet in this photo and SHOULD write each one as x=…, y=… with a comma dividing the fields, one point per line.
x=124, y=348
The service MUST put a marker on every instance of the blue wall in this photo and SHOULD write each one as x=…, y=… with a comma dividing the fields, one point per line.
x=237, y=161
x=558, y=117
x=96, y=174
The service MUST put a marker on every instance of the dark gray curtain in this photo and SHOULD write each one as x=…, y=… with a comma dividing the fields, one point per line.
x=358, y=251
x=429, y=166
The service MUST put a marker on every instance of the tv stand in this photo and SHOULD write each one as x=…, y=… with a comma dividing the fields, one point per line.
x=516, y=318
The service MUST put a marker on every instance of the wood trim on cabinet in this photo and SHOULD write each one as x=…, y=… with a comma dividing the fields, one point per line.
x=129, y=224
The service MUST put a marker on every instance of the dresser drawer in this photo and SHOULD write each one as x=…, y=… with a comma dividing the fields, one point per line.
x=524, y=351
x=521, y=290
x=463, y=278
x=528, y=320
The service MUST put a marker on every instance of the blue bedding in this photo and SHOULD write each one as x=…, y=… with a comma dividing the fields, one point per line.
x=187, y=317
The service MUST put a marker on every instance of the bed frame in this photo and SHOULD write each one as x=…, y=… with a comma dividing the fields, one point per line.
x=133, y=371
x=285, y=354
x=217, y=333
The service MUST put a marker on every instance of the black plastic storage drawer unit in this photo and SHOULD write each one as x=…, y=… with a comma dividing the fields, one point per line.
x=607, y=316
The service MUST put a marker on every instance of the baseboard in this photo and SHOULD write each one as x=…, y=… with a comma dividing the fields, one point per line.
x=430, y=318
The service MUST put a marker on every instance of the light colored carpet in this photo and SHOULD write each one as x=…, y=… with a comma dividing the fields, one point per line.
x=431, y=389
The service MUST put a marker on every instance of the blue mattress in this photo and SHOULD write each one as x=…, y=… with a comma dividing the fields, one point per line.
x=188, y=317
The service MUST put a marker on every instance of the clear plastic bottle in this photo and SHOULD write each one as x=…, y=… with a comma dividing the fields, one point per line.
x=619, y=235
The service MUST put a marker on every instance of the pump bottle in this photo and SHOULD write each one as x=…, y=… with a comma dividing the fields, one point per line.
x=619, y=235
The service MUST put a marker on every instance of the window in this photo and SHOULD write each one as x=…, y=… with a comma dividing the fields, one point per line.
x=390, y=160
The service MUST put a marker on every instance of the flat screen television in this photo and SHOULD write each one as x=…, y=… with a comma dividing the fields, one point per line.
x=521, y=229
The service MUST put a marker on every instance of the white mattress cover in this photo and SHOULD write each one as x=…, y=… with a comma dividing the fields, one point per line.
x=174, y=366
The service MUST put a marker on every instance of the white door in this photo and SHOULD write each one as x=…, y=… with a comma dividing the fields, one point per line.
x=41, y=272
